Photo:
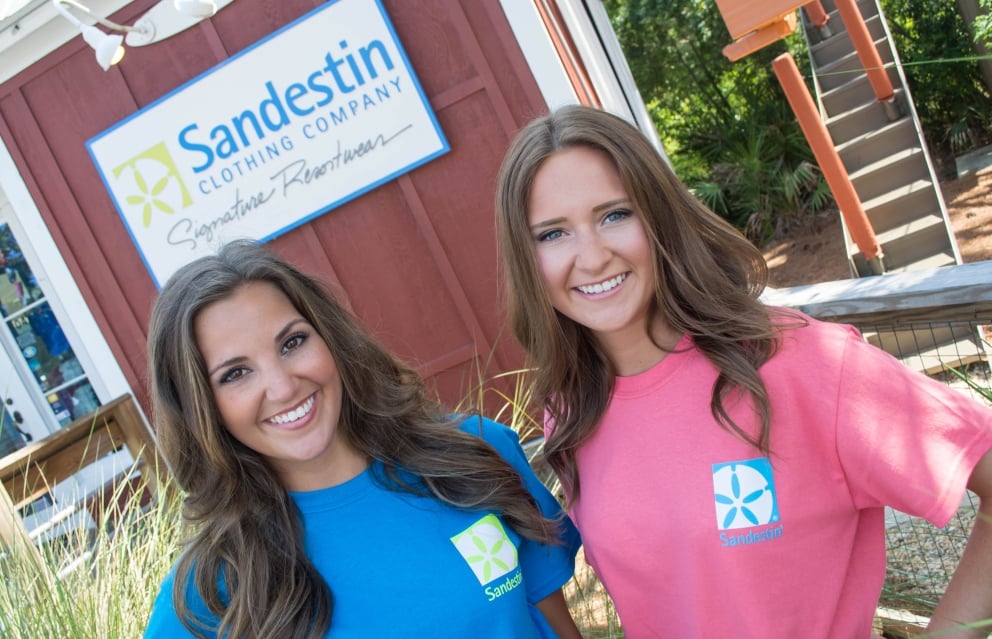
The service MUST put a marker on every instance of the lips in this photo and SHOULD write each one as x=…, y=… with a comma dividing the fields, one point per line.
x=604, y=286
x=292, y=416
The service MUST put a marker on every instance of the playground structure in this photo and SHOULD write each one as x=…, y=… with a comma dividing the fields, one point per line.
x=867, y=140
x=862, y=128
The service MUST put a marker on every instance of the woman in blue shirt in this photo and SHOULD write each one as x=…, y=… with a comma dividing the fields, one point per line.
x=328, y=497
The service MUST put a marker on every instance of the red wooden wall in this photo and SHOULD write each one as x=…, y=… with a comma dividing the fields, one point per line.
x=416, y=258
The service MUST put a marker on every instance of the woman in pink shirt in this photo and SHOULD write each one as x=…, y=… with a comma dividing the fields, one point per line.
x=727, y=463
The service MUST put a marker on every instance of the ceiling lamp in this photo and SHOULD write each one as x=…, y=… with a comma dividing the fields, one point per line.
x=108, y=48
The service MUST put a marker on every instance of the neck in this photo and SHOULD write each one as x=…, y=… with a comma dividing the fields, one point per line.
x=635, y=353
x=344, y=466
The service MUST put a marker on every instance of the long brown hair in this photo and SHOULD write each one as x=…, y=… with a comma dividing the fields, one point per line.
x=246, y=556
x=708, y=281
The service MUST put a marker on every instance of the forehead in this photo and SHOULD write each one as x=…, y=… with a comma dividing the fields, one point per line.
x=251, y=308
x=577, y=179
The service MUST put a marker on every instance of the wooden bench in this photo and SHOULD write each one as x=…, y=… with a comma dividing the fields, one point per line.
x=31, y=472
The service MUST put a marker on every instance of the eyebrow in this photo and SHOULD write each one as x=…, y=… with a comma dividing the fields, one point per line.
x=596, y=209
x=611, y=204
x=281, y=335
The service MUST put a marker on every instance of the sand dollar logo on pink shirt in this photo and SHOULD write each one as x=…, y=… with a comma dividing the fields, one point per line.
x=744, y=492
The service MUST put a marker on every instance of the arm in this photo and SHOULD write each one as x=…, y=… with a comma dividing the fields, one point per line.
x=555, y=611
x=547, y=568
x=969, y=595
x=164, y=623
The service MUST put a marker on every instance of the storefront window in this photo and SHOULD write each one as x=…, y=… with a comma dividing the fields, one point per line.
x=57, y=373
x=11, y=437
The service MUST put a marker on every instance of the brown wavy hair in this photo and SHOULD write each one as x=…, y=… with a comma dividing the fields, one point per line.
x=708, y=278
x=245, y=555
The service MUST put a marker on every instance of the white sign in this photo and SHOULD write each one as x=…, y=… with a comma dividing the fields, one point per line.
x=320, y=112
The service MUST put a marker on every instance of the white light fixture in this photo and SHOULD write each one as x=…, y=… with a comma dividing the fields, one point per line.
x=164, y=20
x=196, y=8
x=109, y=50
x=107, y=46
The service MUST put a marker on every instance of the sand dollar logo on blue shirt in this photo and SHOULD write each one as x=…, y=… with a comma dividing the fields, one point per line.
x=744, y=492
x=486, y=549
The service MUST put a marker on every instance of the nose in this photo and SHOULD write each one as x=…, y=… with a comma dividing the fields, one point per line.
x=593, y=252
x=280, y=383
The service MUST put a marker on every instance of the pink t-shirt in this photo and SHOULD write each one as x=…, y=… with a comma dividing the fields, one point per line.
x=694, y=533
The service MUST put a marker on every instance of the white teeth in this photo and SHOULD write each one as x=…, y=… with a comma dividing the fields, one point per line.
x=295, y=414
x=603, y=286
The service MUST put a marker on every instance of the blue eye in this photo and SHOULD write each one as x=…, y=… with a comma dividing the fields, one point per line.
x=550, y=236
x=617, y=215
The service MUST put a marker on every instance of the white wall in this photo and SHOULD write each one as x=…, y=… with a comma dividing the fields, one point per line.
x=599, y=49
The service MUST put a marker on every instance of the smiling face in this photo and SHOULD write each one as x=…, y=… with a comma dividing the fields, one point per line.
x=276, y=386
x=591, y=248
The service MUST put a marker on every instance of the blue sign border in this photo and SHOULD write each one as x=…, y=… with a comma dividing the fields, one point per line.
x=445, y=146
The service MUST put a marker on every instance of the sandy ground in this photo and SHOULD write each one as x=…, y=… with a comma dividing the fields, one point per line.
x=816, y=253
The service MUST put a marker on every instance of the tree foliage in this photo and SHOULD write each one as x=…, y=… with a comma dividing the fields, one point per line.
x=982, y=26
x=728, y=128
x=726, y=125
x=936, y=50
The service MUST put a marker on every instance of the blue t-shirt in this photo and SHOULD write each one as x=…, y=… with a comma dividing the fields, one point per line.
x=400, y=565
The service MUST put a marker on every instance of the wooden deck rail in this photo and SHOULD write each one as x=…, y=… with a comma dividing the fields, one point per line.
x=29, y=473
x=948, y=293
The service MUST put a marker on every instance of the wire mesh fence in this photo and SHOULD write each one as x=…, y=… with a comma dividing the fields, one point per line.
x=921, y=557
x=938, y=322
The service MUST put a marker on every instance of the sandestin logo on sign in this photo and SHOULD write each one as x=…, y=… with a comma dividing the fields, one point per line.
x=152, y=183
x=338, y=76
